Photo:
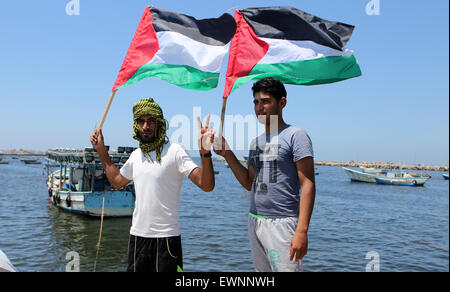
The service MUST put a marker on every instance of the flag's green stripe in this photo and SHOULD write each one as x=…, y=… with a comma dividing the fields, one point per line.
x=306, y=72
x=183, y=76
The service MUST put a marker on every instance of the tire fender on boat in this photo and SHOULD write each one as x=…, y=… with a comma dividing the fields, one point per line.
x=54, y=199
x=58, y=198
x=68, y=200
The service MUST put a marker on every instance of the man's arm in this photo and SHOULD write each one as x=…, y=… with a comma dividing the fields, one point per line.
x=243, y=175
x=112, y=172
x=299, y=243
x=204, y=177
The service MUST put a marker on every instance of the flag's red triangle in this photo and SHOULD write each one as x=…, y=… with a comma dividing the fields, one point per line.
x=246, y=50
x=142, y=49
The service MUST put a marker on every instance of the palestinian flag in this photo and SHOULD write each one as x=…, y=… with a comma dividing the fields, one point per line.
x=177, y=48
x=290, y=45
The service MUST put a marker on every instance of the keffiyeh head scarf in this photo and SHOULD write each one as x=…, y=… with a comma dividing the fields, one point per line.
x=149, y=107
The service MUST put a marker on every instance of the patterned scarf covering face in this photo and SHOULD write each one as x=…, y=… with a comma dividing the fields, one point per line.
x=149, y=107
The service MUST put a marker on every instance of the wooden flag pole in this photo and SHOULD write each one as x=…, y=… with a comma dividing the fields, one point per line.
x=222, y=119
x=105, y=112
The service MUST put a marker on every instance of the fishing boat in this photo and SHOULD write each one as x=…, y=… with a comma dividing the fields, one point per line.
x=3, y=161
x=77, y=183
x=360, y=175
x=401, y=181
x=386, y=177
x=364, y=174
x=445, y=175
x=419, y=174
x=30, y=160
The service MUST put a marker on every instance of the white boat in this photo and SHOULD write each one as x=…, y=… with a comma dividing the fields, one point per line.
x=30, y=160
x=445, y=175
x=386, y=177
x=360, y=176
x=419, y=174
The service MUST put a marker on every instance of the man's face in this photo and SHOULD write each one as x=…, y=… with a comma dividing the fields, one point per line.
x=147, y=128
x=266, y=106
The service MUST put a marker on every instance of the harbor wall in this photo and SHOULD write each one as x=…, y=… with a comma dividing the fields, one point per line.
x=382, y=165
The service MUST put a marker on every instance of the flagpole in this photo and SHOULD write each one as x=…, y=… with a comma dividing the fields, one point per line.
x=222, y=118
x=105, y=112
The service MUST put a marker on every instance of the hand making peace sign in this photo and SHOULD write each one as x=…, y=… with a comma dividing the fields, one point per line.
x=205, y=136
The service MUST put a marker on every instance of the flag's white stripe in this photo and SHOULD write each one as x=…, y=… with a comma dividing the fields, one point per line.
x=283, y=51
x=177, y=49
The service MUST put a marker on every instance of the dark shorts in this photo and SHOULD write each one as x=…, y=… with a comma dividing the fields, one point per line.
x=155, y=254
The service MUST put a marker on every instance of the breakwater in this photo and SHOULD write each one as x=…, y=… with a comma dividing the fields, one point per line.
x=22, y=152
x=382, y=165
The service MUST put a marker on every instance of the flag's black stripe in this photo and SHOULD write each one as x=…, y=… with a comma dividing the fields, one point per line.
x=211, y=31
x=292, y=24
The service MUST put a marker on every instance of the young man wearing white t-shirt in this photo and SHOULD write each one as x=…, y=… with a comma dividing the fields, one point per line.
x=157, y=168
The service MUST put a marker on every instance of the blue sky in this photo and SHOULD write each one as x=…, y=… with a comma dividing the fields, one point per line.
x=58, y=70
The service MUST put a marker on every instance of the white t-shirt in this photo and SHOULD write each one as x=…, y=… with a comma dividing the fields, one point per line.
x=157, y=188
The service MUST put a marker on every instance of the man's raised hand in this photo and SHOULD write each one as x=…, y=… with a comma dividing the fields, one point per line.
x=205, y=135
x=97, y=139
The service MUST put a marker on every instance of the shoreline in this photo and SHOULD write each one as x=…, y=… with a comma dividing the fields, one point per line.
x=377, y=164
x=23, y=152
x=351, y=163
x=382, y=165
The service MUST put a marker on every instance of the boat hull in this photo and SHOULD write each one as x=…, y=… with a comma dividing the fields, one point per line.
x=360, y=176
x=401, y=181
x=117, y=203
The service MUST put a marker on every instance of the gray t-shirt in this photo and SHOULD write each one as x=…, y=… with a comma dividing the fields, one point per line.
x=276, y=187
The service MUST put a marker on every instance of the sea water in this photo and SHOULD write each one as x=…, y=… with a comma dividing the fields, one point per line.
x=355, y=226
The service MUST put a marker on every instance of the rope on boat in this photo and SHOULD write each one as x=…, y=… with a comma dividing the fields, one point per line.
x=382, y=231
x=100, y=233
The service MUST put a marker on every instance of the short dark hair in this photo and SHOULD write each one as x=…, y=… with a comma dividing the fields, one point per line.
x=271, y=86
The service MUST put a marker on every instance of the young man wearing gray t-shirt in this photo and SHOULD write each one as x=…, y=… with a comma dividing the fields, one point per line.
x=280, y=176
